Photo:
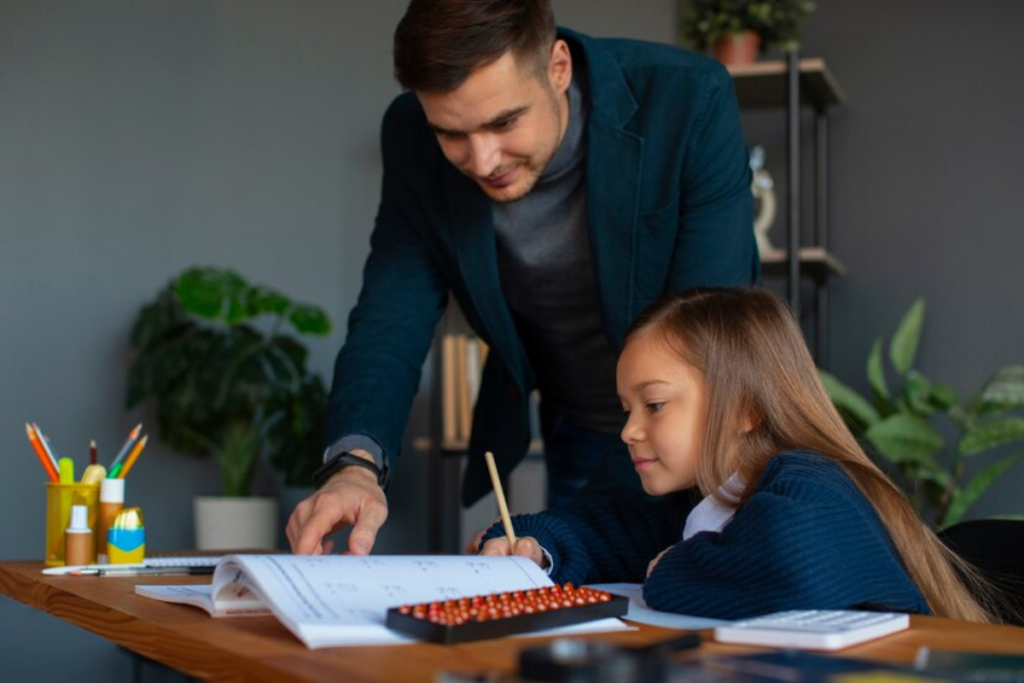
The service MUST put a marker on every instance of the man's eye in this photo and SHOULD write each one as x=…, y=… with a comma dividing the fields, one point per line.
x=505, y=123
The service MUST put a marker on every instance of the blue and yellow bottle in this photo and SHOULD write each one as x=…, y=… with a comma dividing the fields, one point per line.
x=126, y=540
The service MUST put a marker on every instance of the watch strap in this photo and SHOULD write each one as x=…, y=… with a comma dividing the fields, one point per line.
x=346, y=459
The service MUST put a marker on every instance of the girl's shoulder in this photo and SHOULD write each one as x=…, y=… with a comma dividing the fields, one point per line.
x=806, y=475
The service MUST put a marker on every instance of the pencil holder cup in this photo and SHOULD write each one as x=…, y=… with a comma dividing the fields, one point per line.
x=59, y=499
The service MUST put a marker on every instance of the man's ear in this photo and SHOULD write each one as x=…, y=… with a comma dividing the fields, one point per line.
x=560, y=66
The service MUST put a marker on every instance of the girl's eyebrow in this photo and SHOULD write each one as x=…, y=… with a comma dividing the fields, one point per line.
x=640, y=386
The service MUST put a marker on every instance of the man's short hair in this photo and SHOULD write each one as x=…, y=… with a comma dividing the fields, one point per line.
x=438, y=43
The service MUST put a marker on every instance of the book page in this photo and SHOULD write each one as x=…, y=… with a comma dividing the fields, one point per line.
x=642, y=614
x=237, y=604
x=332, y=600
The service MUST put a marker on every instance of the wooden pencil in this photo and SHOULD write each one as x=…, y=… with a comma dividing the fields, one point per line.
x=136, y=452
x=51, y=471
x=510, y=533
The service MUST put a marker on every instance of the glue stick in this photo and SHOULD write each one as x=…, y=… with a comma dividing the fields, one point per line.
x=111, y=502
x=79, y=546
x=126, y=540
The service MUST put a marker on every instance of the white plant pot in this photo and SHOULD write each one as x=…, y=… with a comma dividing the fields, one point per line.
x=232, y=523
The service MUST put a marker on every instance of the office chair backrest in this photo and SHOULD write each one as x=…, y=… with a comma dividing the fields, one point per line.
x=996, y=548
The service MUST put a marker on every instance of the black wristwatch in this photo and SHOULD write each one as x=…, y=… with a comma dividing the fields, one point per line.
x=343, y=460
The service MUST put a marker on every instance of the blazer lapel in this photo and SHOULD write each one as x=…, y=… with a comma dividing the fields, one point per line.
x=473, y=241
x=614, y=155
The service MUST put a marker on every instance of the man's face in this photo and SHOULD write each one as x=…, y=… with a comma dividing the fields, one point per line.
x=504, y=123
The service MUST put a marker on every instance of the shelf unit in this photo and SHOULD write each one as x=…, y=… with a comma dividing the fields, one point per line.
x=796, y=83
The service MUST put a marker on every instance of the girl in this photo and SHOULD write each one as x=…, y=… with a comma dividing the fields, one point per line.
x=721, y=394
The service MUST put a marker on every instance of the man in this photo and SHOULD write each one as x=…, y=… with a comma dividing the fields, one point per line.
x=554, y=184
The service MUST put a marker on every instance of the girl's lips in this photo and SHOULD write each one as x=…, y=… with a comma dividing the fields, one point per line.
x=640, y=464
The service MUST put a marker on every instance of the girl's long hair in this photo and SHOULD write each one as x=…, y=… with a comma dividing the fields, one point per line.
x=756, y=367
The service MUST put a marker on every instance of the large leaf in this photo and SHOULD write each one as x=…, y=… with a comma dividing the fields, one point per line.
x=265, y=300
x=310, y=320
x=1005, y=391
x=963, y=499
x=917, y=394
x=876, y=378
x=943, y=397
x=157, y=321
x=213, y=293
x=849, y=402
x=988, y=435
x=905, y=438
x=903, y=347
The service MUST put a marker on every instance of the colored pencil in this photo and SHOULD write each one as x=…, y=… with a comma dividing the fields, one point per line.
x=46, y=445
x=93, y=453
x=136, y=452
x=51, y=471
x=127, y=446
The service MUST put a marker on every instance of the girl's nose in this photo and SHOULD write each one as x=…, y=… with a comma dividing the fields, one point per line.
x=632, y=432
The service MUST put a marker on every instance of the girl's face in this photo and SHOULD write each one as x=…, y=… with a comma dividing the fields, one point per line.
x=663, y=396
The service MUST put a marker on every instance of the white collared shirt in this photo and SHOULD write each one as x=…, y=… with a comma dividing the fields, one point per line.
x=711, y=514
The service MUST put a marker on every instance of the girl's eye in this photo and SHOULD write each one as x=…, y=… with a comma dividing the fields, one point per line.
x=655, y=407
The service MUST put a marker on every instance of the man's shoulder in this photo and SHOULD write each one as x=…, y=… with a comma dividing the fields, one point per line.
x=404, y=131
x=405, y=109
x=641, y=57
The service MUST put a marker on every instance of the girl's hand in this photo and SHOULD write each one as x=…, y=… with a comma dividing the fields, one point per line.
x=654, y=562
x=525, y=546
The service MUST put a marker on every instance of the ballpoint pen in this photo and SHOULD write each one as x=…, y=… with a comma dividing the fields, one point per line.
x=139, y=571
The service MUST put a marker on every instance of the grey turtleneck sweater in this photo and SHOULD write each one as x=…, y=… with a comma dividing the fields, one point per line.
x=547, y=274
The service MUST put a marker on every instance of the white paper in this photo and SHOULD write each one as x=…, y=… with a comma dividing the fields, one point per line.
x=336, y=600
x=642, y=614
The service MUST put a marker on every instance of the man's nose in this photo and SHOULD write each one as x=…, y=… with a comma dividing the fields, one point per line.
x=484, y=155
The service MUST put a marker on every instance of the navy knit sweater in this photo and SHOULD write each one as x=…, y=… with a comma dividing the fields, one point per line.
x=806, y=539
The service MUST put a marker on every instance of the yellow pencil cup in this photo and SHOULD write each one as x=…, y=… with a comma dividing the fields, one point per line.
x=59, y=499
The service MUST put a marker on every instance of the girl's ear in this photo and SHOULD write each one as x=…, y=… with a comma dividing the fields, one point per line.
x=751, y=420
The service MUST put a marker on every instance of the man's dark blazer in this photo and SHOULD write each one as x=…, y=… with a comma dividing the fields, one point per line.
x=668, y=208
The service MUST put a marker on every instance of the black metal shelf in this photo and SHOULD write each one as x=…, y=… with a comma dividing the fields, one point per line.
x=795, y=83
x=763, y=84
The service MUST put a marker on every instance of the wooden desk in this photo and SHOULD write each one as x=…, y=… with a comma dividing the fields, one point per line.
x=261, y=649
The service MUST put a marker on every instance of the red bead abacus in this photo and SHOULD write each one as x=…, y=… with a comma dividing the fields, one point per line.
x=479, y=608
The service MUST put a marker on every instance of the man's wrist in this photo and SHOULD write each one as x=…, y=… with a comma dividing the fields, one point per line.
x=357, y=443
x=350, y=460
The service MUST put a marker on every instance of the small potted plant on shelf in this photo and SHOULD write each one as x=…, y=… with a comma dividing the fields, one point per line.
x=226, y=380
x=737, y=31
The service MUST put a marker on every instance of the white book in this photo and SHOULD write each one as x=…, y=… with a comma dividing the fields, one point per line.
x=335, y=600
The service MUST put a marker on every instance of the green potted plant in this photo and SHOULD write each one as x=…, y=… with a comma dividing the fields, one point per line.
x=904, y=428
x=225, y=379
x=737, y=31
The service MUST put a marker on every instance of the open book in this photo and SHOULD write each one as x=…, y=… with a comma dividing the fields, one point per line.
x=334, y=600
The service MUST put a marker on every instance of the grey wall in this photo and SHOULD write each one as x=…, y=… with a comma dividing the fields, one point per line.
x=928, y=159
x=140, y=137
